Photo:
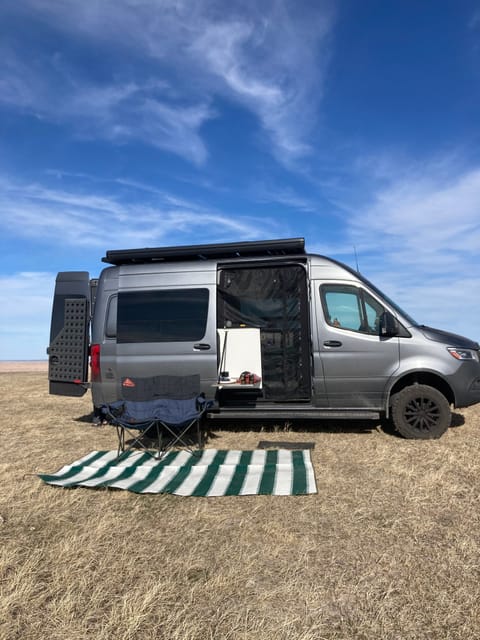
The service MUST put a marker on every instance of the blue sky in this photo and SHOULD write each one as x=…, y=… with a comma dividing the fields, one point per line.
x=132, y=123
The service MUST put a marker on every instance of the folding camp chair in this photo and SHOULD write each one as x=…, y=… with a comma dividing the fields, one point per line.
x=162, y=410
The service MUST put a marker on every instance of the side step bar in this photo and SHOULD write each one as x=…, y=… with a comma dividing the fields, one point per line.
x=291, y=413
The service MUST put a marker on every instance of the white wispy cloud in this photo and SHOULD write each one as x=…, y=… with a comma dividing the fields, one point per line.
x=83, y=218
x=269, y=58
x=86, y=219
x=426, y=214
x=419, y=239
x=474, y=22
x=285, y=196
x=271, y=61
x=119, y=112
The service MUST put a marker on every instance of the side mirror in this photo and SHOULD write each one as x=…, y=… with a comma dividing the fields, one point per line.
x=388, y=325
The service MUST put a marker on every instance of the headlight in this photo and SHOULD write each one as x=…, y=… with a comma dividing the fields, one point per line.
x=461, y=354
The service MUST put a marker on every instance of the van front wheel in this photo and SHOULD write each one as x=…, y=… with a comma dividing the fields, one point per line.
x=420, y=411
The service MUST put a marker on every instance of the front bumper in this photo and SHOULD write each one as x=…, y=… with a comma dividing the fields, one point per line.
x=466, y=384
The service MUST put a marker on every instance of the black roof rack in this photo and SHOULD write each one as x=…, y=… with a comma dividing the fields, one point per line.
x=229, y=250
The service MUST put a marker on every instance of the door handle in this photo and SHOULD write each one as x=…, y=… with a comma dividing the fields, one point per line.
x=201, y=346
x=332, y=343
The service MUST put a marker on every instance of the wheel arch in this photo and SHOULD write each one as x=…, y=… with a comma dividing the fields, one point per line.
x=422, y=377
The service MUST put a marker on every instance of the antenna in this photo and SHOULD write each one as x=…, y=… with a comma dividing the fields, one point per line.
x=356, y=258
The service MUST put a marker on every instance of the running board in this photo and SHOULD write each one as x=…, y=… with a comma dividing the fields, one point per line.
x=293, y=413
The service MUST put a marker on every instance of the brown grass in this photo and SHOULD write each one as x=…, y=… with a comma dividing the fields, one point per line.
x=389, y=548
x=16, y=366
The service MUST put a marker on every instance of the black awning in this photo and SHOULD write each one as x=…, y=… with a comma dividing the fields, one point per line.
x=230, y=250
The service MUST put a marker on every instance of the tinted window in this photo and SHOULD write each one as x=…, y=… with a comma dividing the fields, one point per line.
x=373, y=311
x=347, y=307
x=177, y=315
x=111, y=324
x=342, y=307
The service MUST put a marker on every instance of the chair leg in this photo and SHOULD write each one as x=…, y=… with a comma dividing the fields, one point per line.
x=200, y=434
x=121, y=440
x=136, y=439
x=159, y=442
x=177, y=438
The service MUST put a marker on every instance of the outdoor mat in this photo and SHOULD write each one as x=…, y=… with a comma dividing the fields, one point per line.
x=208, y=472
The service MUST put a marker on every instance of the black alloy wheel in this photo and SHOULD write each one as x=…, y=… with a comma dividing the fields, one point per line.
x=420, y=411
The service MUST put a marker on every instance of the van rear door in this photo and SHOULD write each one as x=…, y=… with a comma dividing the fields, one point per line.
x=68, y=350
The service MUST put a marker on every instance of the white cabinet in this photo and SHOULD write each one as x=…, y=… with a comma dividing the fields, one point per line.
x=239, y=351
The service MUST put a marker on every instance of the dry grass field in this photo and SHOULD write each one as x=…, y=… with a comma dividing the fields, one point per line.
x=389, y=547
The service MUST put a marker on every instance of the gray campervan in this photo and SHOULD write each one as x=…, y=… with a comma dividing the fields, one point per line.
x=274, y=332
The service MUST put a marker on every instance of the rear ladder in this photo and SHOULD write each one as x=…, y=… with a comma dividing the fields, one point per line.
x=69, y=335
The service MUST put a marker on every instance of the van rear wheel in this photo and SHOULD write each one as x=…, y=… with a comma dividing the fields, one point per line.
x=420, y=411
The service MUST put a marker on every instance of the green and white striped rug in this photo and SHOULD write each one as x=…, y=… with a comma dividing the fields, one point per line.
x=210, y=472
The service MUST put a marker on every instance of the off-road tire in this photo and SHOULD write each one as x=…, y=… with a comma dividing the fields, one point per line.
x=420, y=411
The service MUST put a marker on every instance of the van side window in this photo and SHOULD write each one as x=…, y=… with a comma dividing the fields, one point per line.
x=111, y=323
x=351, y=308
x=169, y=315
x=373, y=311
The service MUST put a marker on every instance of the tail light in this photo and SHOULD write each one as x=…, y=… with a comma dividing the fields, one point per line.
x=95, y=362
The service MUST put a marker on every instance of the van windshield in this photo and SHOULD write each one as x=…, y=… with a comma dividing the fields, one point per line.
x=389, y=301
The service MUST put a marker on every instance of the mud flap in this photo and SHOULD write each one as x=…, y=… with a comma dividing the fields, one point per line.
x=68, y=350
